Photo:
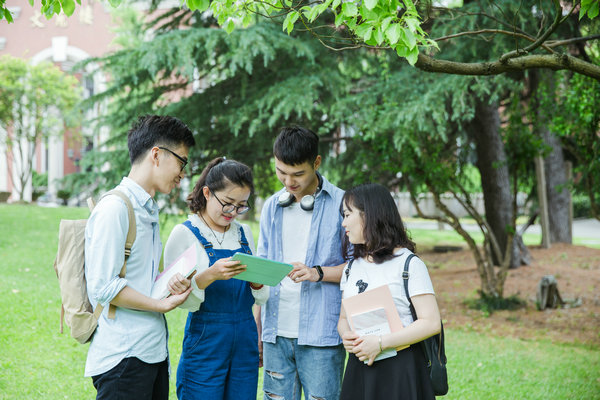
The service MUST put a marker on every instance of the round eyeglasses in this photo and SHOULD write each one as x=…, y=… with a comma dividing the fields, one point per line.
x=177, y=156
x=228, y=208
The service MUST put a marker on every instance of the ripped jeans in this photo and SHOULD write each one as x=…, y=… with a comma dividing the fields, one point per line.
x=290, y=368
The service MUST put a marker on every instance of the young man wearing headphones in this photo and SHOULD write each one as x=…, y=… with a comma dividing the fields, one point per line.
x=301, y=225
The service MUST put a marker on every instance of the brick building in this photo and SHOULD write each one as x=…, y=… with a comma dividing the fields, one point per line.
x=63, y=41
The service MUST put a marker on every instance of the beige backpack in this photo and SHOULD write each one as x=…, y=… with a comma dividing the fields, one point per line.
x=69, y=267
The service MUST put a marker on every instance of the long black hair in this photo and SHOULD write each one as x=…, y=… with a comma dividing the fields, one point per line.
x=382, y=224
x=217, y=175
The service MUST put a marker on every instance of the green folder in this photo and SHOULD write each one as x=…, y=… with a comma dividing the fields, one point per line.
x=260, y=270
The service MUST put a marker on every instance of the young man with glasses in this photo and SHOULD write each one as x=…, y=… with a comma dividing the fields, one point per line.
x=128, y=354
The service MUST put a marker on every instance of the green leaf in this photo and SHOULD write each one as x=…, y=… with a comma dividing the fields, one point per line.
x=314, y=13
x=368, y=14
x=361, y=30
x=594, y=10
x=385, y=23
x=370, y=4
x=393, y=33
x=335, y=4
x=306, y=10
x=204, y=4
x=7, y=15
x=349, y=9
x=412, y=23
x=289, y=21
x=401, y=50
x=367, y=35
x=68, y=7
x=339, y=19
x=115, y=3
x=409, y=38
x=413, y=55
x=379, y=36
x=230, y=26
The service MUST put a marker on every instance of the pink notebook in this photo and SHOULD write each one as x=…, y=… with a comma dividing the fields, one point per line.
x=372, y=300
x=185, y=264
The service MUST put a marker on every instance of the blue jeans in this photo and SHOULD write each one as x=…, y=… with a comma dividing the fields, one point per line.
x=290, y=368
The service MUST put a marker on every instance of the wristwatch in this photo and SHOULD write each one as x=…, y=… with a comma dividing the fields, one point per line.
x=320, y=272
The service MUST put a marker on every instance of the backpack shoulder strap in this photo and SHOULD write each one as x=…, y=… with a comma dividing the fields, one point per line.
x=131, y=233
x=405, y=276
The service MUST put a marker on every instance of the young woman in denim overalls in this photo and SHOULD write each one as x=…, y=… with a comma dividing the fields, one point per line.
x=220, y=356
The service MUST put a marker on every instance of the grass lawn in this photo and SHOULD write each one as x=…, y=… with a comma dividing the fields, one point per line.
x=37, y=362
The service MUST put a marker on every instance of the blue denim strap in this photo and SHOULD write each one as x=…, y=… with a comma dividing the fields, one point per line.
x=208, y=246
x=244, y=242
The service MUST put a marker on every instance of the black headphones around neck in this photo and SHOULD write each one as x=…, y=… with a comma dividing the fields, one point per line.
x=307, y=203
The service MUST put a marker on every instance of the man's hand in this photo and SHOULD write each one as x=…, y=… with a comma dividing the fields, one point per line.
x=169, y=303
x=179, y=284
x=303, y=273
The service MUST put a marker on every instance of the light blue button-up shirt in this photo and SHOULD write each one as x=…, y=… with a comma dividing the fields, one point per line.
x=132, y=333
x=319, y=301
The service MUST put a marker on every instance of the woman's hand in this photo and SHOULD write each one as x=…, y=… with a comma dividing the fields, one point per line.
x=226, y=268
x=348, y=339
x=366, y=348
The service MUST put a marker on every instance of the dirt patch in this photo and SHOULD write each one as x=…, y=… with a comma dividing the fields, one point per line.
x=576, y=268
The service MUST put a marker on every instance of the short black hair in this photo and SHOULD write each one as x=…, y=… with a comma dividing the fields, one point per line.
x=295, y=145
x=382, y=224
x=216, y=175
x=157, y=130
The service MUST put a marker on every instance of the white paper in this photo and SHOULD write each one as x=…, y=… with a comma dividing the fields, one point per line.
x=375, y=323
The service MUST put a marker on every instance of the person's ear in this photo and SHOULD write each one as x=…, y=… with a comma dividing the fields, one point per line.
x=206, y=192
x=154, y=155
x=317, y=163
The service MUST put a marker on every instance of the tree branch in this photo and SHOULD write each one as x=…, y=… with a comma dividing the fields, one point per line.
x=556, y=43
x=552, y=61
x=523, y=36
x=557, y=21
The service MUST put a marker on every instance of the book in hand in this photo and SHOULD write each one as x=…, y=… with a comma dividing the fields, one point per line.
x=370, y=300
x=185, y=264
x=261, y=270
x=375, y=323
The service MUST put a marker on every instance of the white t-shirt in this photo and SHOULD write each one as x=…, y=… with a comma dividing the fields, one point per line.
x=181, y=238
x=365, y=276
x=295, y=231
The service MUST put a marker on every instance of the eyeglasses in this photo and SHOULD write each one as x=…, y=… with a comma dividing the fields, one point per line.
x=183, y=160
x=228, y=207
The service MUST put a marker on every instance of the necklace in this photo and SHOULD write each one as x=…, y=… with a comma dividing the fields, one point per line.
x=213, y=232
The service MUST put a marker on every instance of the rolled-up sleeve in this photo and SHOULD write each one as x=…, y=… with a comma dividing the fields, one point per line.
x=105, y=235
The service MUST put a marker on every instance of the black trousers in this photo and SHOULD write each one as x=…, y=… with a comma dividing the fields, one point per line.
x=134, y=379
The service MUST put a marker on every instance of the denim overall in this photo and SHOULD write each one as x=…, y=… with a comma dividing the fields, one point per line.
x=219, y=359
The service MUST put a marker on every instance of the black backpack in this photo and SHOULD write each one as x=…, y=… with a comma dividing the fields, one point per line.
x=433, y=347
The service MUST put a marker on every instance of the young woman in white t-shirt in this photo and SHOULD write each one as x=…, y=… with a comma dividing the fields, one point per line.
x=379, y=249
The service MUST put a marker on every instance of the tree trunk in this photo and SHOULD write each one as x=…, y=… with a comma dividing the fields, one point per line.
x=557, y=190
x=495, y=182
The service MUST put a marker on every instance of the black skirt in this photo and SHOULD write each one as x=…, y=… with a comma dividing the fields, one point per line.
x=403, y=377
